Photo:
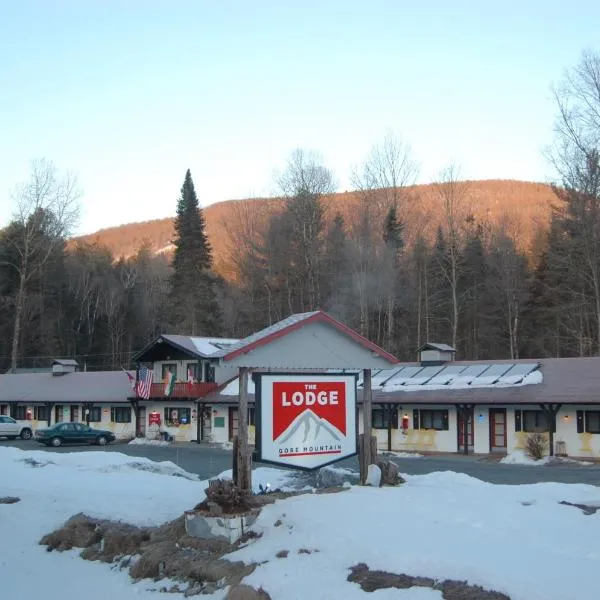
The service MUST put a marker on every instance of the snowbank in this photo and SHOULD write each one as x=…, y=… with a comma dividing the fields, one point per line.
x=518, y=457
x=441, y=525
x=147, y=442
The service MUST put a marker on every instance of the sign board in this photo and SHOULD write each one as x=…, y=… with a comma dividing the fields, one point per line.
x=305, y=421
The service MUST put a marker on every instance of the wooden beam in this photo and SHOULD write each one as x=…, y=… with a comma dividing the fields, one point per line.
x=366, y=457
x=242, y=455
x=551, y=410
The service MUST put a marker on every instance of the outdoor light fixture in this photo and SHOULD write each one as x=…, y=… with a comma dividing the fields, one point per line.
x=566, y=418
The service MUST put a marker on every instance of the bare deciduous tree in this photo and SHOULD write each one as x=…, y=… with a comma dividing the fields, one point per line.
x=452, y=194
x=46, y=212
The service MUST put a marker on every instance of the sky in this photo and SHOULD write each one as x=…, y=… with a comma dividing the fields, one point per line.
x=130, y=94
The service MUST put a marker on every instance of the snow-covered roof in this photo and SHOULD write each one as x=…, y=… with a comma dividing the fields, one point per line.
x=436, y=346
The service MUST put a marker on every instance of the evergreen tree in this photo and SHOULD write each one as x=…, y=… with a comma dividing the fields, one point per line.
x=194, y=306
x=393, y=234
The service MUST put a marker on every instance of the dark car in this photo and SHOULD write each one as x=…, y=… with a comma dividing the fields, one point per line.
x=73, y=433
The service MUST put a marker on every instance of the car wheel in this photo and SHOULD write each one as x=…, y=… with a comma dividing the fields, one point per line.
x=26, y=434
x=56, y=442
x=101, y=441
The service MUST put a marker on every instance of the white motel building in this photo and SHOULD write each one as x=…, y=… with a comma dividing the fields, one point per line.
x=425, y=406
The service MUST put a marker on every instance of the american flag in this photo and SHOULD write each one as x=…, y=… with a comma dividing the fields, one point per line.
x=144, y=383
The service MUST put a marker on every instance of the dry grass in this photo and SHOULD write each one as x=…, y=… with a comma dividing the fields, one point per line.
x=245, y=592
x=371, y=581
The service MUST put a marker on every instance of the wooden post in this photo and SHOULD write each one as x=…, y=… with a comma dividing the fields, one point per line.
x=242, y=456
x=551, y=411
x=366, y=456
x=390, y=408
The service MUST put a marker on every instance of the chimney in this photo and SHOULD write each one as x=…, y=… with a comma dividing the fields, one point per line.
x=62, y=366
x=433, y=354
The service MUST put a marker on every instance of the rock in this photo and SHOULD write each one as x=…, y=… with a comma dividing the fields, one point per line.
x=336, y=477
x=389, y=473
x=373, y=476
x=214, y=508
x=246, y=592
x=9, y=500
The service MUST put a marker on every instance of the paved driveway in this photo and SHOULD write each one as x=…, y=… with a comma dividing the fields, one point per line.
x=208, y=461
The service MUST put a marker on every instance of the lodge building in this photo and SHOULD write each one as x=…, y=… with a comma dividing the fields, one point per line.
x=435, y=404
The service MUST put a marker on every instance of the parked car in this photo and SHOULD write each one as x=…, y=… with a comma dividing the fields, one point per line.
x=73, y=433
x=11, y=429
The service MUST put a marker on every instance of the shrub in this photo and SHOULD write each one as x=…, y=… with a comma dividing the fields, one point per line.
x=535, y=445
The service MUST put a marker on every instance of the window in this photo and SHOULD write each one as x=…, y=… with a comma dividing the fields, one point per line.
x=20, y=413
x=196, y=371
x=175, y=416
x=430, y=419
x=210, y=374
x=535, y=421
x=95, y=415
x=592, y=421
x=169, y=368
x=120, y=414
x=380, y=418
x=40, y=413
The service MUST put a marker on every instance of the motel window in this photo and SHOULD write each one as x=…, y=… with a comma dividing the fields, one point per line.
x=20, y=413
x=534, y=421
x=120, y=414
x=210, y=374
x=592, y=421
x=169, y=368
x=40, y=413
x=430, y=419
x=175, y=416
x=95, y=415
x=380, y=418
x=196, y=370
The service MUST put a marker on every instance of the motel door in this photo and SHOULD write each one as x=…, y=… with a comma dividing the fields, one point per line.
x=497, y=429
x=470, y=430
x=233, y=422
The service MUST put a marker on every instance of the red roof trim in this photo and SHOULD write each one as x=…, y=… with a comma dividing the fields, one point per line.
x=319, y=317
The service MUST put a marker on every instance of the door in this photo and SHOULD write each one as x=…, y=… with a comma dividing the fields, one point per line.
x=497, y=430
x=470, y=429
x=233, y=423
x=74, y=414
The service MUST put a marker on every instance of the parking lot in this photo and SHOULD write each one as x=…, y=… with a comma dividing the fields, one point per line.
x=209, y=460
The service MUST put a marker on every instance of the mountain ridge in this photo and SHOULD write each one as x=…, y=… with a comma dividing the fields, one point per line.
x=521, y=208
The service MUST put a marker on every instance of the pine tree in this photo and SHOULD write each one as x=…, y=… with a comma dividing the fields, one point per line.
x=194, y=306
x=393, y=230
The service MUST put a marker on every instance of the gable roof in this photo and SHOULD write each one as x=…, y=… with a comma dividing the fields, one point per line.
x=65, y=362
x=198, y=347
x=77, y=387
x=293, y=323
x=436, y=346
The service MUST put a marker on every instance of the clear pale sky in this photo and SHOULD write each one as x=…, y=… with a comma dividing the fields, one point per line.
x=129, y=94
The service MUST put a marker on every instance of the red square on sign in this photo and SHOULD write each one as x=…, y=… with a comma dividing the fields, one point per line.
x=326, y=399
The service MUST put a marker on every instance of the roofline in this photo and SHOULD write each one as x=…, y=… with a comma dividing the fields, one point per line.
x=317, y=317
x=164, y=337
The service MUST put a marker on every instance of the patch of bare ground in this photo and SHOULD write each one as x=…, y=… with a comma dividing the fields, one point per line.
x=9, y=500
x=282, y=554
x=371, y=581
x=160, y=552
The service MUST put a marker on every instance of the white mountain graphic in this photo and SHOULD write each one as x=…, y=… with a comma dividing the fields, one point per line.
x=308, y=428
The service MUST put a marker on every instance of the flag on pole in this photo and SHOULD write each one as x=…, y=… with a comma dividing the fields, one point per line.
x=131, y=379
x=144, y=383
x=169, y=384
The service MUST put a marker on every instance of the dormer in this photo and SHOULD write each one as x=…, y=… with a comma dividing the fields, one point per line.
x=433, y=354
x=62, y=366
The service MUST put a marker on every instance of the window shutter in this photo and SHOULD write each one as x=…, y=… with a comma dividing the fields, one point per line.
x=167, y=415
x=112, y=414
x=416, y=419
x=579, y=421
x=518, y=420
x=445, y=420
x=395, y=418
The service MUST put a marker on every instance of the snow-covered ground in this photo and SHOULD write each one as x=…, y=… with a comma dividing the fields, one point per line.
x=515, y=539
x=518, y=457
